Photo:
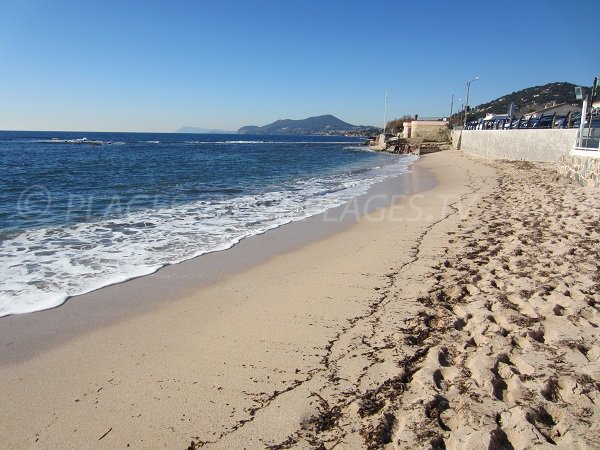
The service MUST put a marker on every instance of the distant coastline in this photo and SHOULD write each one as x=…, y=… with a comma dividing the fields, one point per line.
x=325, y=125
x=164, y=183
x=198, y=130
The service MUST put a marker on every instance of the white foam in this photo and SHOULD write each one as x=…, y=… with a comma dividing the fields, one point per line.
x=41, y=268
x=266, y=142
x=359, y=148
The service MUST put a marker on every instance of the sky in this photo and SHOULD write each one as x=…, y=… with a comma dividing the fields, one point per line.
x=155, y=65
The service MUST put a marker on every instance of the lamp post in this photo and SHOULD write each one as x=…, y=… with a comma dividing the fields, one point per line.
x=452, y=110
x=385, y=113
x=467, y=100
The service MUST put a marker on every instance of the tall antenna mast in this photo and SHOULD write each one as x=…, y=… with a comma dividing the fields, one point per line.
x=385, y=113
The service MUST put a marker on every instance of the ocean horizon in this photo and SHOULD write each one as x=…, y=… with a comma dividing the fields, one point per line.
x=80, y=211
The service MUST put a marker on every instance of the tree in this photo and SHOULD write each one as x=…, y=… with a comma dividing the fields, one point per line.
x=397, y=125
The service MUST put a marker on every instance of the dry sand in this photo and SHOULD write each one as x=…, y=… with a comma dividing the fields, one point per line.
x=462, y=317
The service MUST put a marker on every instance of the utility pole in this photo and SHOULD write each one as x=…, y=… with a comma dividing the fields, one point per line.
x=592, y=96
x=385, y=112
x=584, y=108
x=467, y=101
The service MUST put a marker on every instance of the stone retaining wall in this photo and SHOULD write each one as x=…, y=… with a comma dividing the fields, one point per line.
x=583, y=169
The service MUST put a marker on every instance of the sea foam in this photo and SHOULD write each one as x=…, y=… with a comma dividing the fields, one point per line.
x=43, y=267
x=74, y=218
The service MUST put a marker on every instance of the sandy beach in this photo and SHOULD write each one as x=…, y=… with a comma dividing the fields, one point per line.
x=464, y=315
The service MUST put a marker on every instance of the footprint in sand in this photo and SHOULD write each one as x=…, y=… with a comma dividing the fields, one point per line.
x=498, y=384
x=444, y=358
x=558, y=310
x=551, y=390
x=435, y=408
x=538, y=335
x=439, y=380
x=543, y=422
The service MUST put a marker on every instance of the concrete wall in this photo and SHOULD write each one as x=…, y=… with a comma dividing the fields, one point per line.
x=429, y=130
x=406, y=129
x=522, y=145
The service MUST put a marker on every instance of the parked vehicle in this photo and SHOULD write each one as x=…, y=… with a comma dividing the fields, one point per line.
x=561, y=121
x=545, y=122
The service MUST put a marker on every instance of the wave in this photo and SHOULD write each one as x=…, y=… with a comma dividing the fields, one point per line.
x=267, y=142
x=76, y=141
x=44, y=267
x=85, y=140
x=359, y=148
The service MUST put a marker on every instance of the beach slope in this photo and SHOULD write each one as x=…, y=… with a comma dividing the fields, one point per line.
x=464, y=316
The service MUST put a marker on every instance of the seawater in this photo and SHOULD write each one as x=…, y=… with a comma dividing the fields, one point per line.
x=79, y=211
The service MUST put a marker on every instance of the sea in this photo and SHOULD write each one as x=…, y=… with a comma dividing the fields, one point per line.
x=80, y=211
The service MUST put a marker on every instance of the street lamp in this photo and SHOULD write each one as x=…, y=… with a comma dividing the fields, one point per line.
x=467, y=100
x=452, y=110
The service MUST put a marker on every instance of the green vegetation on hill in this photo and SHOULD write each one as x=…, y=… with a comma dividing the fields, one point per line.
x=532, y=98
x=320, y=125
x=525, y=100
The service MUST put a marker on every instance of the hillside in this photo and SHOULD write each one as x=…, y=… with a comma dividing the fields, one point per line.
x=526, y=100
x=319, y=125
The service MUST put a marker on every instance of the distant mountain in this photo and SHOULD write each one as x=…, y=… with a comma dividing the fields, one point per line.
x=319, y=125
x=203, y=130
x=527, y=100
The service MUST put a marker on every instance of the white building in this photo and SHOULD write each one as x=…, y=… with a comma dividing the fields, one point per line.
x=561, y=109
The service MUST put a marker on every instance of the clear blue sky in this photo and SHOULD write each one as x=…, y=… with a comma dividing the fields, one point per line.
x=158, y=65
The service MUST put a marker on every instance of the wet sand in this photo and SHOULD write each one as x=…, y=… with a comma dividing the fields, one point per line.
x=463, y=316
x=28, y=334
